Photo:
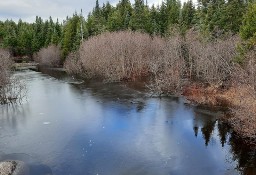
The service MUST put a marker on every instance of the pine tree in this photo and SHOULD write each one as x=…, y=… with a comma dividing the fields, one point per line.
x=163, y=19
x=187, y=18
x=154, y=20
x=139, y=17
x=173, y=11
x=10, y=36
x=248, y=28
x=233, y=15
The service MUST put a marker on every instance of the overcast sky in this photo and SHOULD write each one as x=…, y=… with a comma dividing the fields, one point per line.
x=27, y=10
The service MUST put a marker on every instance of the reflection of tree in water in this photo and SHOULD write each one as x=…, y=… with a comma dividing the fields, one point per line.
x=206, y=124
x=223, y=130
x=56, y=73
x=11, y=113
x=195, y=128
x=207, y=131
x=244, y=154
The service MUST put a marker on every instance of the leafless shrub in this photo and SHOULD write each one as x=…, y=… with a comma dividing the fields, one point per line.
x=168, y=67
x=244, y=100
x=128, y=56
x=11, y=88
x=5, y=65
x=117, y=56
x=211, y=61
x=248, y=73
x=73, y=64
x=14, y=91
x=49, y=56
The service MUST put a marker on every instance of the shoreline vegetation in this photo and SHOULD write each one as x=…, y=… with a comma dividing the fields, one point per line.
x=204, y=72
x=12, y=89
x=206, y=53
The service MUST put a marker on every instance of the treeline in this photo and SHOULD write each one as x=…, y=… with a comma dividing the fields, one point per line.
x=25, y=39
x=213, y=18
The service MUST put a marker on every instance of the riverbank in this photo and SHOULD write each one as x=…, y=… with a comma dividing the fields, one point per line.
x=239, y=101
x=203, y=71
x=85, y=121
x=21, y=66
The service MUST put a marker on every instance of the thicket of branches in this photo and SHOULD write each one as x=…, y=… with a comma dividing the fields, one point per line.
x=5, y=66
x=168, y=62
x=11, y=88
x=50, y=56
x=129, y=56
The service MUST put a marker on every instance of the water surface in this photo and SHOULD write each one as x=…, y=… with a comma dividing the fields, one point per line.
x=68, y=128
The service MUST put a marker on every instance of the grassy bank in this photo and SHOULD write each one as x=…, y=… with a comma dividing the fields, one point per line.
x=203, y=71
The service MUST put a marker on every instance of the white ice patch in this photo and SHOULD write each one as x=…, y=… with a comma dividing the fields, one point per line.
x=47, y=123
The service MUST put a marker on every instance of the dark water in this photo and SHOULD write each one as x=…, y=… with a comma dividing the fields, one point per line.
x=67, y=128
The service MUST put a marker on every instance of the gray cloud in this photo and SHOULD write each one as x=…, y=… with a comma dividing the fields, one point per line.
x=27, y=10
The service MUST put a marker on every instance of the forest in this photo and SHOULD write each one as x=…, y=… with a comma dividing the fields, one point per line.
x=205, y=51
x=212, y=18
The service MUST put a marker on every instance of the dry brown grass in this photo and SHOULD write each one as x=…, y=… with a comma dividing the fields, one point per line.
x=50, y=56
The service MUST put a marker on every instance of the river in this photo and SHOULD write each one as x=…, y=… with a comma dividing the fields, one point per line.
x=94, y=128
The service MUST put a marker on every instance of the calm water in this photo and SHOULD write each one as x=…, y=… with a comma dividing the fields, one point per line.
x=67, y=128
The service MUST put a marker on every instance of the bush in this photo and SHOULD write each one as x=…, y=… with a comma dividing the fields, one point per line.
x=73, y=64
x=5, y=66
x=129, y=56
x=118, y=56
x=169, y=67
x=11, y=88
x=212, y=61
x=50, y=56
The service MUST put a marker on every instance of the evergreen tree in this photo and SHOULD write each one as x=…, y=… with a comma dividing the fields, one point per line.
x=187, y=18
x=140, y=17
x=24, y=39
x=72, y=35
x=37, y=41
x=248, y=28
x=220, y=16
x=173, y=11
x=10, y=35
x=233, y=15
x=154, y=21
x=163, y=19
